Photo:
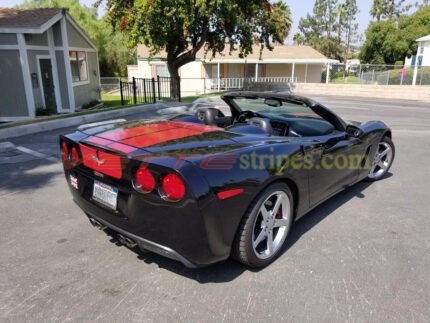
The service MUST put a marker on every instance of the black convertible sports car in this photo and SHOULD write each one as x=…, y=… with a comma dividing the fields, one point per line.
x=199, y=188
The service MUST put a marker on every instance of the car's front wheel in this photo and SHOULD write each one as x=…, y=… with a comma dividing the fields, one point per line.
x=265, y=226
x=382, y=160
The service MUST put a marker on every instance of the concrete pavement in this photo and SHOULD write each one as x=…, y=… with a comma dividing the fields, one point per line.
x=363, y=256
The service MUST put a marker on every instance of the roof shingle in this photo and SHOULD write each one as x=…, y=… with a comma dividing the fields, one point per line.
x=26, y=18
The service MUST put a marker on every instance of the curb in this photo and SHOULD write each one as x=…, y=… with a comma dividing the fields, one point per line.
x=74, y=121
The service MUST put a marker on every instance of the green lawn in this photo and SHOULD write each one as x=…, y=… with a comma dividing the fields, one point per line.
x=115, y=100
x=347, y=80
x=111, y=100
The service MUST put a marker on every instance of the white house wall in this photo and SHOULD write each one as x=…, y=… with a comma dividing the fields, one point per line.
x=278, y=70
x=426, y=54
x=190, y=70
x=193, y=86
x=144, y=69
x=193, y=74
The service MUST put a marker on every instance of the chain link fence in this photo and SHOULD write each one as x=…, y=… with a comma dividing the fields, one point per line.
x=111, y=85
x=376, y=74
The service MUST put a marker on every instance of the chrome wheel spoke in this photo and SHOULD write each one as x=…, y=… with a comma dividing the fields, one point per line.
x=264, y=212
x=270, y=242
x=385, y=152
x=261, y=236
x=278, y=203
x=382, y=165
x=280, y=223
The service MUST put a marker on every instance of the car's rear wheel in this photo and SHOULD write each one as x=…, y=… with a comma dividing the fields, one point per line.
x=265, y=227
x=382, y=160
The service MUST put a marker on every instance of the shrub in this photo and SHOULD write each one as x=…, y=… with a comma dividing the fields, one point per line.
x=90, y=104
x=42, y=111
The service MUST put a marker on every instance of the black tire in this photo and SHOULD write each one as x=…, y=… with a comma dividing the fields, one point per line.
x=242, y=249
x=385, y=140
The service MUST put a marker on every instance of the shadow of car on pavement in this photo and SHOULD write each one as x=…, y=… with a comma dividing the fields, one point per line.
x=229, y=270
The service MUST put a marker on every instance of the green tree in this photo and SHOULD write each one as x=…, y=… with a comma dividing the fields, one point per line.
x=378, y=9
x=113, y=53
x=388, y=9
x=392, y=40
x=322, y=29
x=350, y=26
x=423, y=4
x=183, y=27
x=298, y=39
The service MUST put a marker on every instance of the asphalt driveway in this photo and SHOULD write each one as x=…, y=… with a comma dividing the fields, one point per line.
x=363, y=256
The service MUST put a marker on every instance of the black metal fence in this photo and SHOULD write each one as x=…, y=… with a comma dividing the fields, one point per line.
x=141, y=90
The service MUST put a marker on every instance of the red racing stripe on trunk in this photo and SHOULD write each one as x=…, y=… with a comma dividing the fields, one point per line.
x=101, y=161
x=98, y=141
x=121, y=133
x=121, y=147
x=160, y=137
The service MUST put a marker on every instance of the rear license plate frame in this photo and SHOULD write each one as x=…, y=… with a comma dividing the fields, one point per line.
x=105, y=194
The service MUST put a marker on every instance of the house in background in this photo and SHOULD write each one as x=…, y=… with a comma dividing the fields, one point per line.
x=46, y=60
x=285, y=64
x=422, y=58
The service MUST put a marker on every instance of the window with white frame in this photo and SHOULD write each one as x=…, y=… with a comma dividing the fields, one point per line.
x=162, y=70
x=79, y=66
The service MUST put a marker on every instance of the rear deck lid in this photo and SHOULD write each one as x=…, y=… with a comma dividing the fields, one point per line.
x=160, y=136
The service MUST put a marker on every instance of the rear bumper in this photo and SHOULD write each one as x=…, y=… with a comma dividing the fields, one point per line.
x=179, y=231
x=143, y=243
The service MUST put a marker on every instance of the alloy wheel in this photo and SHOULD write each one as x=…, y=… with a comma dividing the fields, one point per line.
x=271, y=225
x=382, y=160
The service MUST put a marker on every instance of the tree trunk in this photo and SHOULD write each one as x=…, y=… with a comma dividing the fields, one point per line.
x=175, y=89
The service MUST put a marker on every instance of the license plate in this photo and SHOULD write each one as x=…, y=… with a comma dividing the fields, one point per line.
x=105, y=194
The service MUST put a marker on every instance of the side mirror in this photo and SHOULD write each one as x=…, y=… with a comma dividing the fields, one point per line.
x=353, y=131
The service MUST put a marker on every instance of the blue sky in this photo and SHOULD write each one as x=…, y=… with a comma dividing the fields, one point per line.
x=298, y=8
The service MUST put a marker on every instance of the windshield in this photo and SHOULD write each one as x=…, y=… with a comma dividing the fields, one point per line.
x=276, y=107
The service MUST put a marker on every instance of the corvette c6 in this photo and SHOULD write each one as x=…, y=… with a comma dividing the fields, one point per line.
x=201, y=187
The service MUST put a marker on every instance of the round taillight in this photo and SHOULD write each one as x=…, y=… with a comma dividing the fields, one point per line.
x=173, y=187
x=64, y=150
x=74, y=156
x=143, y=180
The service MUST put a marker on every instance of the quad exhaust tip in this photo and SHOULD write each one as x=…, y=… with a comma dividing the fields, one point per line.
x=126, y=241
x=97, y=224
x=121, y=238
